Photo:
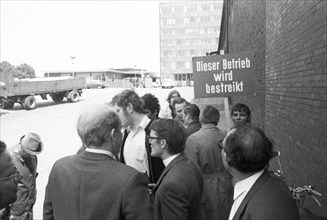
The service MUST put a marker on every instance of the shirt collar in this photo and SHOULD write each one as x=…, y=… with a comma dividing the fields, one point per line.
x=100, y=151
x=245, y=185
x=144, y=122
x=169, y=159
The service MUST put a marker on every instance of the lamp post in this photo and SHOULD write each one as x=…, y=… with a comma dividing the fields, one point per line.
x=135, y=76
x=73, y=59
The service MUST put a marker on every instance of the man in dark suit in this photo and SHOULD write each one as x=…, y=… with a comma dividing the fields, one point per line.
x=177, y=193
x=91, y=184
x=246, y=151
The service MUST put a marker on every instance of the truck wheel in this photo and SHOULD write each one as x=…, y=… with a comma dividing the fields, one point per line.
x=8, y=104
x=29, y=103
x=58, y=97
x=73, y=96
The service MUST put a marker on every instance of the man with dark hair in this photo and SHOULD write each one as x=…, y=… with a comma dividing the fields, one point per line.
x=241, y=114
x=191, y=113
x=246, y=152
x=178, y=190
x=136, y=151
x=178, y=106
x=151, y=106
x=92, y=184
x=9, y=177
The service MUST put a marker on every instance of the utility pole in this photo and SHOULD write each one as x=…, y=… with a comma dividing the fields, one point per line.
x=73, y=59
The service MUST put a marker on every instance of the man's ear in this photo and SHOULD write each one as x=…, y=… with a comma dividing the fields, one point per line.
x=112, y=133
x=163, y=143
x=129, y=108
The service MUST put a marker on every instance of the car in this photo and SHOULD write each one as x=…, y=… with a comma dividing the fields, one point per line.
x=95, y=84
x=167, y=83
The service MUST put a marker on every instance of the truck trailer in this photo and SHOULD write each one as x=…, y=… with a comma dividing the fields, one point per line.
x=23, y=91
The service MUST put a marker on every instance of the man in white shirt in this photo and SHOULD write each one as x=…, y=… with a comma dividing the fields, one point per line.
x=177, y=194
x=135, y=151
x=258, y=194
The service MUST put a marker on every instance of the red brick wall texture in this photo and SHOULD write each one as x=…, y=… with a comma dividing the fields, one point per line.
x=289, y=39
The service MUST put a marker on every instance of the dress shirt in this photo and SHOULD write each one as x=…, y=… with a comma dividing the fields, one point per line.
x=169, y=159
x=240, y=190
x=135, y=154
x=100, y=151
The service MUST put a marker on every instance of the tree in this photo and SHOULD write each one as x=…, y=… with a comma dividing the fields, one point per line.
x=21, y=71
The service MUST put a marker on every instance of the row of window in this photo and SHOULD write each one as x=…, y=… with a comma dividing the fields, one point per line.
x=168, y=9
x=188, y=42
x=183, y=77
x=183, y=31
x=190, y=19
x=182, y=53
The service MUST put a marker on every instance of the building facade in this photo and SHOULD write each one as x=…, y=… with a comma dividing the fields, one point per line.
x=187, y=29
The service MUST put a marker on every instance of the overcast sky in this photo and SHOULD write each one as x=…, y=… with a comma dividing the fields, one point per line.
x=100, y=34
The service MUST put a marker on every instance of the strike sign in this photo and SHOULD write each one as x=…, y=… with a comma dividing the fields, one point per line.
x=223, y=75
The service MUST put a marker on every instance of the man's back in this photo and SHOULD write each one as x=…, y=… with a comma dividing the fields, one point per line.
x=269, y=198
x=202, y=146
x=94, y=186
x=178, y=191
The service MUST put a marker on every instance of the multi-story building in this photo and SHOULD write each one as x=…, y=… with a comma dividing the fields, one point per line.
x=187, y=29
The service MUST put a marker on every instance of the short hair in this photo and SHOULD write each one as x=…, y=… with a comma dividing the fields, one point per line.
x=209, y=115
x=128, y=96
x=95, y=124
x=178, y=100
x=248, y=149
x=173, y=132
x=151, y=102
x=172, y=92
x=192, y=110
x=240, y=107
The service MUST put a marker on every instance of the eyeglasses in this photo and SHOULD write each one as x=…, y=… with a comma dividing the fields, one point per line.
x=16, y=176
x=220, y=144
x=150, y=138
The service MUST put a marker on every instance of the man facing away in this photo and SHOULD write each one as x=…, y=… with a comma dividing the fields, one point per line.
x=259, y=195
x=151, y=106
x=177, y=193
x=136, y=151
x=24, y=156
x=91, y=184
x=9, y=177
x=191, y=113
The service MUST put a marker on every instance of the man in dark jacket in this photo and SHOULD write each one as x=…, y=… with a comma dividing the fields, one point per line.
x=246, y=151
x=24, y=156
x=177, y=194
x=191, y=114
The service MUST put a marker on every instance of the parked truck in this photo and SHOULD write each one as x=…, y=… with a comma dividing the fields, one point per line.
x=23, y=91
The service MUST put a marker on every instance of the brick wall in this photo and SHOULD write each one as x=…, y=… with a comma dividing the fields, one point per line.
x=289, y=41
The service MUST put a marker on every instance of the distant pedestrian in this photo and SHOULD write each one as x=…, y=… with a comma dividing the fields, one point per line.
x=93, y=185
x=151, y=106
x=191, y=114
x=178, y=190
x=258, y=194
x=241, y=114
x=24, y=156
x=136, y=150
x=169, y=111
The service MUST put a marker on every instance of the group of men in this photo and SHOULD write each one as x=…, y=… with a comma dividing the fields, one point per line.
x=135, y=165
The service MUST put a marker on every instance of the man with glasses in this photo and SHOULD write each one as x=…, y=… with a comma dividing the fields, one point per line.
x=24, y=156
x=177, y=194
x=9, y=177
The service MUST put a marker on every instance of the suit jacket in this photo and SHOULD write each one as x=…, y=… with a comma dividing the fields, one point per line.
x=269, y=198
x=94, y=186
x=203, y=147
x=178, y=191
x=193, y=127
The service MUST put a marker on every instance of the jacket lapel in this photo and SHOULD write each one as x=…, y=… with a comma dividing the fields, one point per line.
x=257, y=185
x=166, y=170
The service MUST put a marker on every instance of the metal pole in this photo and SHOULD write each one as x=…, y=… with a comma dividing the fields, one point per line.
x=73, y=58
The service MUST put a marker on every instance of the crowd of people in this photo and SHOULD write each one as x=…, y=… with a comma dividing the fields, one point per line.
x=137, y=161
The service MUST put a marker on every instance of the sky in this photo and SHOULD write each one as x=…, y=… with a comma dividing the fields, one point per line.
x=99, y=34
